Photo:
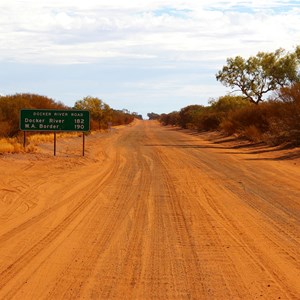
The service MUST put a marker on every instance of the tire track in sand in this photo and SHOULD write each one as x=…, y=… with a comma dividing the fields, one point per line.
x=10, y=272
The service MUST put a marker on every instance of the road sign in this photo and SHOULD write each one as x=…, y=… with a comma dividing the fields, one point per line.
x=54, y=120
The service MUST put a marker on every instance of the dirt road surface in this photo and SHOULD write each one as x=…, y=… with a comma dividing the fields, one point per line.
x=149, y=213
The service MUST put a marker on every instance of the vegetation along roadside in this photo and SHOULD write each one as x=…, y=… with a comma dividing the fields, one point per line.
x=264, y=105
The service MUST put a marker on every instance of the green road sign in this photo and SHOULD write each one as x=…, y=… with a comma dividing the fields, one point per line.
x=54, y=120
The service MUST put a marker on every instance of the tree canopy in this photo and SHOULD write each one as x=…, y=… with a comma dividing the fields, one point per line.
x=100, y=111
x=260, y=74
x=153, y=116
x=11, y=105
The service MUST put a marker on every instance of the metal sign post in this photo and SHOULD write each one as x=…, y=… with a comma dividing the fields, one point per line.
x=24, y=140
x=54, y=143
x=83, y=143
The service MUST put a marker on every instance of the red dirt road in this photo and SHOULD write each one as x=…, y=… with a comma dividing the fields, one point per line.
x=149, y=213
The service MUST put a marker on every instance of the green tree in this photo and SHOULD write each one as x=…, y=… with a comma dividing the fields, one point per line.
x=100, y=111
x=228, y=103
x=172, y=118
x=153, y=116
x=190, y=115
x=260, y=74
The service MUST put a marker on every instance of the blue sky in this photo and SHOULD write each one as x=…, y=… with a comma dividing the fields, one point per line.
x=141, y=55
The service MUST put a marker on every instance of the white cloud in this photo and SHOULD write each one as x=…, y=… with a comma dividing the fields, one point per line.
x=84, y=31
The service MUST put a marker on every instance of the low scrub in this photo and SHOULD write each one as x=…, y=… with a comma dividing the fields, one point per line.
x=13, y=145
x=102, y=116
x=238, y=121
x=275, y=121
x=11, y=105
x=16, y=144
x=36, y=139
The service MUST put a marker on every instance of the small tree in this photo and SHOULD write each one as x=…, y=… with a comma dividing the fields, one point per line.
x=228, y=103
x=190, y=114
x=260, y=74
x=100, y=111
x=153, y=116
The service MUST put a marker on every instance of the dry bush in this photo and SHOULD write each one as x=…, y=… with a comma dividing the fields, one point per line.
x=253, y=134
x=172, y=118
x=227, y=126
x=6, y=146
x=237, y=121
x=191, y=115
x=274, y=122
x=48, y=137
x=190, y=126
x=34, y=139
x=291, y=99
x=10, y=145
x=4, y=128
x=228, y=103
x=94, y=125
x=210, y=121
x=120, y=117
x=11, y=105
x=40, y=138
x=285, y=125
x=290, y=94
x=15, y=145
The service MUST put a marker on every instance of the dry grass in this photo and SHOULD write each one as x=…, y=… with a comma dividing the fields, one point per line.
x=11, y=145
x=43, y=138
x=253, y=134
x=15, y=145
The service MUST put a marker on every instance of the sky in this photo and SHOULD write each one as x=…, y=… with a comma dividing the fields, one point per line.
x=142, y=55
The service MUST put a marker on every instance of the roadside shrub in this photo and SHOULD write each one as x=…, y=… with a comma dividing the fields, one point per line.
x=190, y=125
x=227, y=127
x=253, y=134
x=238, y=120
x=119, y=117
x=172, y=118
x=228, y=103
x=275, y=121
x=190, y=115
x=210, y=121
x=94, y=124
x=4, y=128
x=290, y=94
x=284, y=123
x=6, y=147
x=11, y=105
x=153, y=116
x=10, y=145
